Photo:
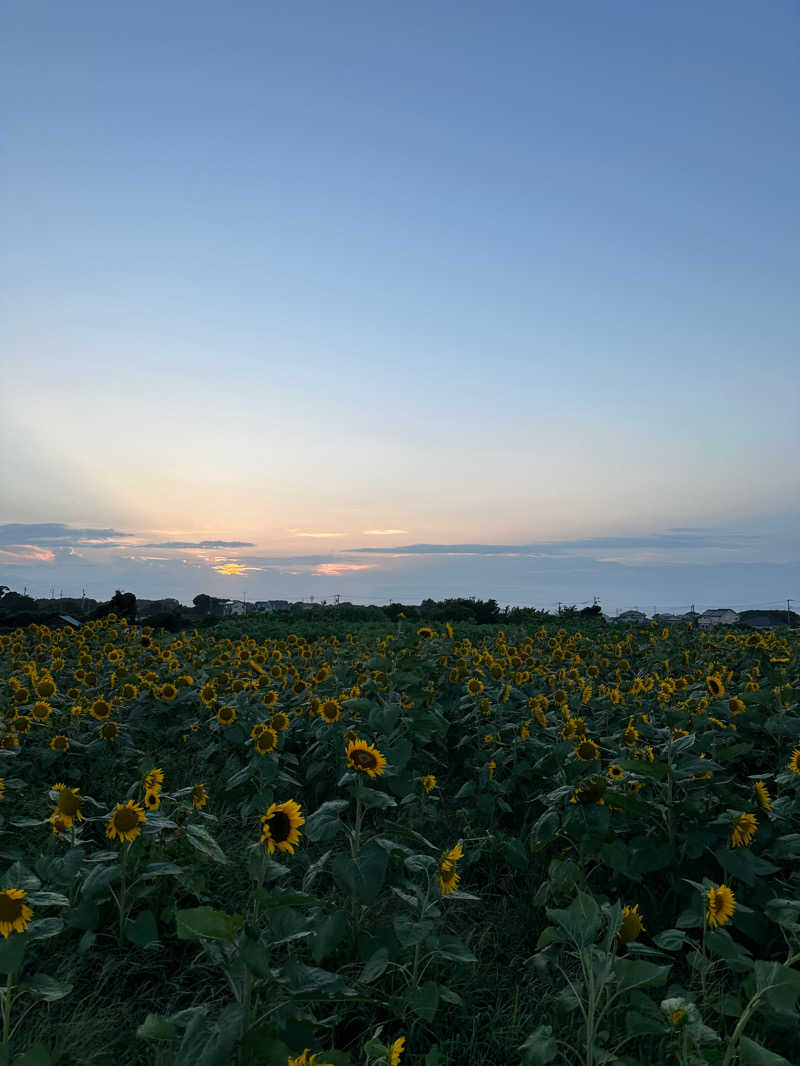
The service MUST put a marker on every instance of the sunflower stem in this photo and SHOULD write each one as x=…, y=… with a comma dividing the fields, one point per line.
x=6, y=1008
x=122, y=892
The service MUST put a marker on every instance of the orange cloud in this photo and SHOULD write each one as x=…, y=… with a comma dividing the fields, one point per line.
x=297, y=533
x=335, y=569
x=27, y=553
x=231, y=568
x=383, y=532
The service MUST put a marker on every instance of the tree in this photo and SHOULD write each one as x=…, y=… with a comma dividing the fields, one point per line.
x=123, y=604
x=203, y=604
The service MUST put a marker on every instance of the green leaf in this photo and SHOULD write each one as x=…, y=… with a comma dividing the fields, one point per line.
x=374, y=799
x=47, y=899
x=581, y=921
x=159, y=869
x=324, y=823
x=375, y=965
x=780, y=984
x=36, y=1055
x=670, y=939
x=156, y=1027
x=44, y=928
x=753, y=1054
x=424, y=1001
x=784, y=912
x=635, y=973
x=47, y=988
x=450, y=947
x=329, y=935
x=200, y=839
x=540, y=1048
x=272, y=902
x=142, y=930
x=98, y=880
x=199, y=922
x=411, y=932
x=255, y=956
x=364, y=875
x=742, y=863
x=722, y=944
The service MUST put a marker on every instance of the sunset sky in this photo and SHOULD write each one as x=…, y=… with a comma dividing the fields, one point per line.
x=505, y=293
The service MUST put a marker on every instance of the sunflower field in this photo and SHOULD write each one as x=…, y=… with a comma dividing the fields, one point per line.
x=404, y=848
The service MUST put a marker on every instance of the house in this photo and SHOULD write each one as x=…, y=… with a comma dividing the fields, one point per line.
x=271, y=605
x=234, y=607
x=631, y=616
x=719, y=616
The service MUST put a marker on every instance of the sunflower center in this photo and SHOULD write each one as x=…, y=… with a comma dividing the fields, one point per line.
x=280, y=826
x=68, y=802
x=125, y=820
x=364, y=759
x=10, y=909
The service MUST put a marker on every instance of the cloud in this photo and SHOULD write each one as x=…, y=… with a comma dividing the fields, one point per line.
x=55, y=534
x=26, y=553
x=202, y=544
x=384, y=532
x=682, y=540
x=336, y=569
x=234, y=569
x=297, y=533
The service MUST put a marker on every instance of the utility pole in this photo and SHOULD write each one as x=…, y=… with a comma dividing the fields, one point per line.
x=788, y=614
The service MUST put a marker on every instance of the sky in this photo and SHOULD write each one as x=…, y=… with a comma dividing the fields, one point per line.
x=282, y=283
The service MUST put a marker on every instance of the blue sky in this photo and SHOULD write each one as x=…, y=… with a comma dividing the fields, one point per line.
x=484, y=274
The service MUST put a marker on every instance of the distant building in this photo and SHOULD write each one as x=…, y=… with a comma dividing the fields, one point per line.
x=631, y=616
x=271, y=605
x=64, y=621
x=234, y=607
x=719, y=616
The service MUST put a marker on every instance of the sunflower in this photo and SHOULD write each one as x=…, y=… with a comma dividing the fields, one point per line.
x=199, y=796
x=108, y=730
x=615, y=772
x=631, y=734
x=720, y=905
x=715, y=687
x=424, y=633
x=129, y=691
x=2, y=786
x=396, y=1050
x=474, y=686
x=764, y=797
x=279, y=722
x=280, y=826
x=41, y=711
x=100, y=709
x=126, y=821
x=632, y=924
x=45, y=688
x=22, y=724
x=152, y=799
x=226, y=715
x=429, y=782
x=591, y=791
x=330, y=710
x=448, y=876
x=14, y=912
x=306, y=1059
x=266, y=741
x=68, y=804
x=60, y=743
x=736, y=706
x=168, y=692
x=270, y=698
x=58, y=825
x=794, y=762
x=208, y=696
x=365, y=758
x=743, y=830
x=587, y=751
x=154, y=779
